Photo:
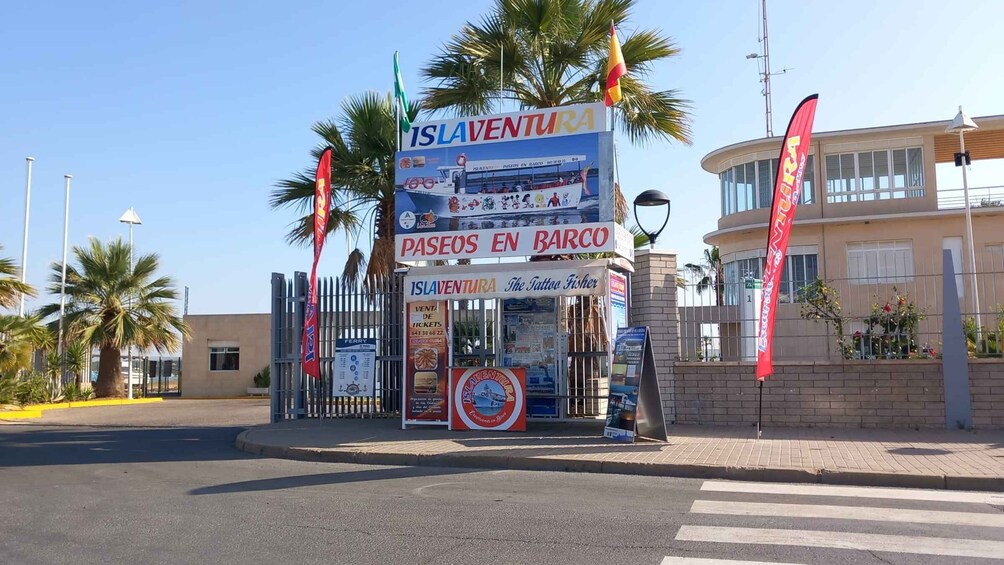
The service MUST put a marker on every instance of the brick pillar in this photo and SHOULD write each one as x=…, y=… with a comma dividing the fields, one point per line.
x=653, y=304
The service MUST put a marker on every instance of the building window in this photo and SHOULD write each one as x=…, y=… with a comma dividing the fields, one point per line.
x=876, y=262
x=225, y=358
x=751, y=185
x=875, y=175
x=799, y=270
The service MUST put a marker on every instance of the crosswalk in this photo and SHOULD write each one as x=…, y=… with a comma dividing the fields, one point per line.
x=735, y=517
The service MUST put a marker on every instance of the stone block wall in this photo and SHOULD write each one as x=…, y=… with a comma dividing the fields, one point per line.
x=986, y=390
x=856, y=394
x=653, y=304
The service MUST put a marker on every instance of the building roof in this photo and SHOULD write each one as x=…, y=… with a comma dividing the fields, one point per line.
x=984, y=143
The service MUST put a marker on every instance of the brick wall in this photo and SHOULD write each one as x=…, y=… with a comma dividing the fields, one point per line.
x=986, y=388
x=653, y=304
x=866, y=394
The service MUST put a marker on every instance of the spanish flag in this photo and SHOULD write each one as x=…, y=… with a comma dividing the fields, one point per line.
x=615, y=70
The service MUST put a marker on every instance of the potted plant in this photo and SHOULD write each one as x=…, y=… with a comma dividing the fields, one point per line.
x=262, y=382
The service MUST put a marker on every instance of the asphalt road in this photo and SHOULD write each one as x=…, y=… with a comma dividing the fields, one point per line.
x=164, y=484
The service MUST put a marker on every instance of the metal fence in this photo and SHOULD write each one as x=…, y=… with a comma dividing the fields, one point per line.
x=878, y=317
x=352, y=310
x=346, y=309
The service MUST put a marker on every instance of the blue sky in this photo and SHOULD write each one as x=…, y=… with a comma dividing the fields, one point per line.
x=190, y=111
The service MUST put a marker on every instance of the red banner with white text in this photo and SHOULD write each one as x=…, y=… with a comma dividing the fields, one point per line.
x=787, y=189
x=322, y=206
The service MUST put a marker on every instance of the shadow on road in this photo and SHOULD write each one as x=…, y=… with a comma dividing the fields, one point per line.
x=280, y=483
x=21, y=447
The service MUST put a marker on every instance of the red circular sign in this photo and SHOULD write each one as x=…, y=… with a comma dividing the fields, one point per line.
x=489, y=399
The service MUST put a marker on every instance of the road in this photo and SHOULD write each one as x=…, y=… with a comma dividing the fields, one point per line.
x=164, y=484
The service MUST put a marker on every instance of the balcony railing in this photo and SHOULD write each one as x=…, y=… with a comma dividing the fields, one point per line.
x=979, y=197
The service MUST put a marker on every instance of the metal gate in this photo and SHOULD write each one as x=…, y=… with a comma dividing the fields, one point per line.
x=376, y=310
x=346, y=309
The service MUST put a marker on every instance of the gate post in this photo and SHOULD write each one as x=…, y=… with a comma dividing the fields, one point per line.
x=275, y=342
x=300, y=302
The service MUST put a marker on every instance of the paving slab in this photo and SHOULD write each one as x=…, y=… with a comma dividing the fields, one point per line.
x=947, y=459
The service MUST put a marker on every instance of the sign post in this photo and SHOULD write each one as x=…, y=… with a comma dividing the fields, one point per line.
x=355, y=360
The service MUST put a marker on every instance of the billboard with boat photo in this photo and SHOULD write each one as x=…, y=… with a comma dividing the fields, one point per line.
x=526, y=183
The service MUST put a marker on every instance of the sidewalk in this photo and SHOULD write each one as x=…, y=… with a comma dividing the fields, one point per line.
x=939, y=459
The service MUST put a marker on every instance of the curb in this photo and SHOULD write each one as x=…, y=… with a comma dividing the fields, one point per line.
x=36, y=410
x=690, y=471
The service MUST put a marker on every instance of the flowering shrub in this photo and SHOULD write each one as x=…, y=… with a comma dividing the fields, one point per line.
x=892, y=329
x=820, y=301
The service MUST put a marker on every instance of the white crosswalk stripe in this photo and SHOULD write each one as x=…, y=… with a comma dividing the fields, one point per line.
x=855, y=492
x=702, y=561
x=986, y=520
x=846, y=540
x=847, y=513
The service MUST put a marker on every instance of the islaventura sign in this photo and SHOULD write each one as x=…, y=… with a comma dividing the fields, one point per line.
x=584, y=281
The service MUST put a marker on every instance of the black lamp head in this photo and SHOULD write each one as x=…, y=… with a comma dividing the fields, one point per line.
x=648, y=198
x=651, y=197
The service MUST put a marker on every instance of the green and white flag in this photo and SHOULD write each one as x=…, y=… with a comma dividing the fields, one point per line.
x=400, y=97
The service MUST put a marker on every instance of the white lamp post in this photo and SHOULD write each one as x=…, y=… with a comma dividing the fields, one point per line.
x=130, y=217
x=960, y=125
x=24, y=242
x=62, y=284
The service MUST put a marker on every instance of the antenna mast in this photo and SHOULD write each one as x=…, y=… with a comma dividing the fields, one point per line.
x=766, y=72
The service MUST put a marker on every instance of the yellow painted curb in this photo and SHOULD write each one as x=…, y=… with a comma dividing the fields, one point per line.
x=89, y=403
x=20, y=414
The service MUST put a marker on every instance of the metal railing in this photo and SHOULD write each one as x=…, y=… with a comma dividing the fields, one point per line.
x=979, y=197
x=864, y=318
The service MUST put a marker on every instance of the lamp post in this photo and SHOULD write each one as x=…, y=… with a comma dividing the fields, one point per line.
x=651, y=198
x=62, y=284
x=24, y=241
x=132, y=218
x=960, y=125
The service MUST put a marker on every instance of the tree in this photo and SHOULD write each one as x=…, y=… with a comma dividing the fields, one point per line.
x=19, y=337
x=362, y=183
x=11, y=287
x=110, y=306
x=552, y=53
x=709, y=274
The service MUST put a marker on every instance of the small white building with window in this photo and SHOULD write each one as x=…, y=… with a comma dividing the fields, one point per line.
x=871, y=216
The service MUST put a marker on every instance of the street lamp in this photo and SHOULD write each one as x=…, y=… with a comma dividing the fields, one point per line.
x=24, y=242
x=651, y=198
x=960, y=125
x=62, y=284
x=132, y=218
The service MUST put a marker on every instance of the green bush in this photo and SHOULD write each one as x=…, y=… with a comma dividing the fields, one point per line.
x=32, y=389
x=263, y=378
x=8, y=388
x=72, y=392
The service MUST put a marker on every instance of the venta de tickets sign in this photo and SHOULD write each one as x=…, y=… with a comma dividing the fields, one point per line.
x=588, y=281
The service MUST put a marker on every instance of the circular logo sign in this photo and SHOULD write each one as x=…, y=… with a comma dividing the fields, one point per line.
x=407, y=220
x=489, y=399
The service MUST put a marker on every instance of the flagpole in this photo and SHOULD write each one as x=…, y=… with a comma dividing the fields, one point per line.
x=759, y=418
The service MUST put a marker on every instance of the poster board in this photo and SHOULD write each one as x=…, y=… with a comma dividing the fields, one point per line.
x=488, y=398
x=426, y=387
x=529, y=341
x=635, y=403
x=355, y=363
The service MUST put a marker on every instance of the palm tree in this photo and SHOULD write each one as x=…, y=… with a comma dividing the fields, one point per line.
x=19, y=337
x=362, y=183
x=110, y=306
x=552, y=53
x=11, y=288
x=709, y=274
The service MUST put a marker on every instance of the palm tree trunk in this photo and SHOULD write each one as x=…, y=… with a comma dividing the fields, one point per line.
x=109, y=373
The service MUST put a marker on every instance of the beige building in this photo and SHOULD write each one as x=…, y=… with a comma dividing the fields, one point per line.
x=871, y=217
x=225, y=352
